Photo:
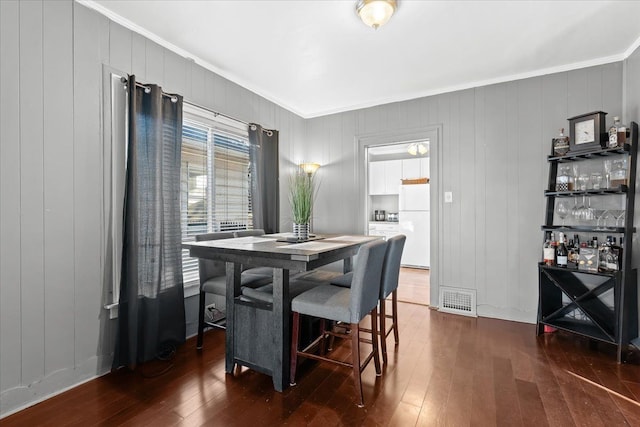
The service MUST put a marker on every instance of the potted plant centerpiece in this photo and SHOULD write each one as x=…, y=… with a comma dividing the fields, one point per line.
x=301, y=193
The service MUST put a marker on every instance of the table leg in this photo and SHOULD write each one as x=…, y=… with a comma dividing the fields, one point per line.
x=347, y=265
x=233, y=271
x=282, y=334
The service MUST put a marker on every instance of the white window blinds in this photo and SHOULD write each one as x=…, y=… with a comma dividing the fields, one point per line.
x=215, y=179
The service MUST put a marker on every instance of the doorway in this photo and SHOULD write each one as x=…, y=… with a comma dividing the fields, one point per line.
x=383, y=155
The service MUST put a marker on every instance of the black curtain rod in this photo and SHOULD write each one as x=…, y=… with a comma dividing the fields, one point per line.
x=215, y=113
x=267, y=131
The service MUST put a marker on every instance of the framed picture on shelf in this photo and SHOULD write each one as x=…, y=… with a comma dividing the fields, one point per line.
x=586, y=132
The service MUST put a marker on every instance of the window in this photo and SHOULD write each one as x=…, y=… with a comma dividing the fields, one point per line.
x=215, y=179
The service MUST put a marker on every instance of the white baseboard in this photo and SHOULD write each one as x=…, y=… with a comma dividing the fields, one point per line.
x=507, y=314
x=21, y=397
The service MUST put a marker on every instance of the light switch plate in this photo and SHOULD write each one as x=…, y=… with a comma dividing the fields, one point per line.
x=448, y=197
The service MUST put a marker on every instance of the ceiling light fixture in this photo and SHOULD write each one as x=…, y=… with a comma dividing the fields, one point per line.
x=418, y=148
x=376, y=13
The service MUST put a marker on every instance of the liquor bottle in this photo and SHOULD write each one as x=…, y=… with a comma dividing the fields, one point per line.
x=617, y=250
x=548, y=252
x=608, y=259
x=576, y=241
x=617, y=133
x=574, y=252
x=560, y=144
x=602, y=255
x=561, y=253
x=613, y=133
x=619, y=173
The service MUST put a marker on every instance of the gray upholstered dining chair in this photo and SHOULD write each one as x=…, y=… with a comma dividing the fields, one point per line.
x=389, y=286
x=299, y=282
x=348, y=305
x=213, y=281
x=248, y=269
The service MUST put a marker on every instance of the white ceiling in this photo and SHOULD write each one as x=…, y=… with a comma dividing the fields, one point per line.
x=316, y=57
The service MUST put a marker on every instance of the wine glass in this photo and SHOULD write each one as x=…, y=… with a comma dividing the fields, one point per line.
x=599, y=214
x=575, y=210
x=588, y=214
x=580, y=211
x=563, y=210
x=613, y=214
x=620, y=218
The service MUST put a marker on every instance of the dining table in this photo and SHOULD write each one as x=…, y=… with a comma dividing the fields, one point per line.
x=258, y=333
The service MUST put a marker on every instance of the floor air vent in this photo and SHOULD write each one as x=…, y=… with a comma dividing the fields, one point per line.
x=458, y=301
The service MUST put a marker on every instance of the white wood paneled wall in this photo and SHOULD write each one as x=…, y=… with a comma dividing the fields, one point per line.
x=495, y=141
x=54, y=332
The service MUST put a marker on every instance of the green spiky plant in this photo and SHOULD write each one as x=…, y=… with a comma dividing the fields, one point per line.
x=301, y=193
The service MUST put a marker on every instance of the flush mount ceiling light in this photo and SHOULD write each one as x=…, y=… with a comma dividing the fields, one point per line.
x=376, y=13
x=417, y=148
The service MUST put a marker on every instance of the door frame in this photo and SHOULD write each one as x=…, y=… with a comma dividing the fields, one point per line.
x=434, y=134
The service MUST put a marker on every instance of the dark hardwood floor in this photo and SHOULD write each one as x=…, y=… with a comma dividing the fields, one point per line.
x=448, y=370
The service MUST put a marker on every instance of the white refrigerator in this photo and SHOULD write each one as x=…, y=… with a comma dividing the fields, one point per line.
x=414, y=221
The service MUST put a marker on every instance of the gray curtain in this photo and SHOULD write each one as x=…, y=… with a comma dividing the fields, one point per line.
x=265, y=186
x=151, y=319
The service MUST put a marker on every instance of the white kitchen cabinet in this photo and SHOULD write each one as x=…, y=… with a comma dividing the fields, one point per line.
x=411, y=169
x=377, y=184
x=393, y=176
x=384, y=229
x=415, y=168
x=385, y=176
x=424, y=167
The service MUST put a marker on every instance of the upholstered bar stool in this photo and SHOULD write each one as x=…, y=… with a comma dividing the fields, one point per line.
x=263, y=272
x=348, y=305
x=389, y=286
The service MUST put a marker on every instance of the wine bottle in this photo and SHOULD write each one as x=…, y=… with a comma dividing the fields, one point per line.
x=548, y=252
x=561, y=253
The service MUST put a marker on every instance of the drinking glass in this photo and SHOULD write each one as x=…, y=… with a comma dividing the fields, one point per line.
x=596, y=180
x=576, y=172
x=607, y=173
x=563, y=210
x=583, y=182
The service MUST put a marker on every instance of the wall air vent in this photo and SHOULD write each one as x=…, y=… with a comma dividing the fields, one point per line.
x=458, y=301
